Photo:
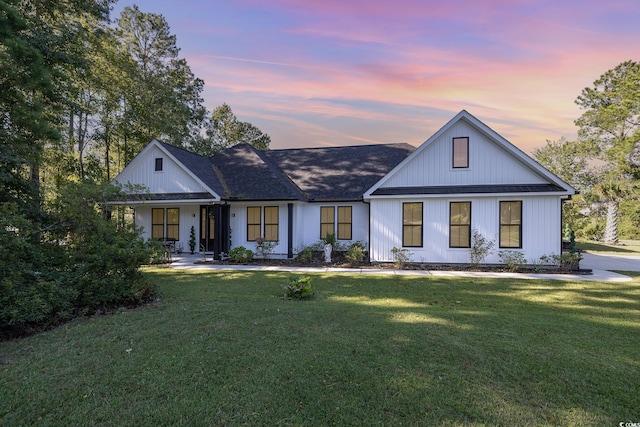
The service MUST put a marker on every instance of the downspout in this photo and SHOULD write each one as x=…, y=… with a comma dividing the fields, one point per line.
x=290, y=230
x=368, y=227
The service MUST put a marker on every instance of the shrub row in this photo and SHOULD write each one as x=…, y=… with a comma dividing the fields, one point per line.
x=72, y=263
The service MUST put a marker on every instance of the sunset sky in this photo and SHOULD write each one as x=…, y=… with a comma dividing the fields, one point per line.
x=338, y=72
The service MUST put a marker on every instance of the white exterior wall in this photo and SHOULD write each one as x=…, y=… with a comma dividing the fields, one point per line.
x=187, y=219
x=541, y=228
x=172, y=178
x=307, y=223
x=306, y=227
x=488, y=163
x=238, y=224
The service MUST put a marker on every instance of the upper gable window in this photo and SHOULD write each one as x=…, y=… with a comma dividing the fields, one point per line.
x=461, y=152
x=158, y=164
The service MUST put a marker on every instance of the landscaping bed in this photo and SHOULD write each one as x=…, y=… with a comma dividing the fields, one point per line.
x=341, y=262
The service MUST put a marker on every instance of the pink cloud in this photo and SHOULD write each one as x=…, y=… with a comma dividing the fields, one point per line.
x=517, y=66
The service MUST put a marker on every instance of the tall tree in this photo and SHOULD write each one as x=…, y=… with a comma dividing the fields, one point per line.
x=569, y=160
x=224, y=130
x=38, y=49
x=163, y=97
x=611, y=121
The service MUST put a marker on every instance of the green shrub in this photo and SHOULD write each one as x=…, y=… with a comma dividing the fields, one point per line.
x=329, y=239
x=481, y=247
x=265, y=247
x=240, y=254
x=566, y=261
x=306, y=254
x=80, y=262
x=157, y=252
x=512, y=259
x=299, y=287
x=356, y=253
x=401, y=256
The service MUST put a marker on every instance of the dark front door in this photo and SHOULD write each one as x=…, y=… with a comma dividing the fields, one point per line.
x=207, y=228
x=214, y=229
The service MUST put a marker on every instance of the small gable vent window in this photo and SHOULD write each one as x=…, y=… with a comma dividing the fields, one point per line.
x=158, y=164
x=461, y=152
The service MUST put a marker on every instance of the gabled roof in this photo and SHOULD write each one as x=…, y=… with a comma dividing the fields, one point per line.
x=242, y=172
x=195, y=166
x=246, y=174
x=338, y=173
x=198, y=165
x=554, y=185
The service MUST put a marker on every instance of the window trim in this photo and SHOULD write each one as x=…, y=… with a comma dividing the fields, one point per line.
x=459, y=225
x=154, y=225
x=348, y=224
x=453, y=152
x=176, y=225
x=158, y=166
x=501, y=224
x=275, y=224
x=406, y=224
x=253, y=224
x=325, y=223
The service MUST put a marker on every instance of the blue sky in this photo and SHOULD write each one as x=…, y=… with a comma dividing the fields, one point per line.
x=339, y=72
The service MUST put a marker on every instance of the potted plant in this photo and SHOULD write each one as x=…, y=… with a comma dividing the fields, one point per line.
x=192, y=240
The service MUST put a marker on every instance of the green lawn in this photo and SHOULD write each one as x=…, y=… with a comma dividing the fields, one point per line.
x=630, y=247
x=223, y=348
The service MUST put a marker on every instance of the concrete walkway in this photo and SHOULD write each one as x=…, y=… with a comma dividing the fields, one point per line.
x=188, y=262
x=611, y=262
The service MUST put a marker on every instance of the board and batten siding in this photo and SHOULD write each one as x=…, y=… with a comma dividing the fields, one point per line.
x=488, y=163
x=307, y=220
x=189, y=216
x=541, y=228
x=172, y=178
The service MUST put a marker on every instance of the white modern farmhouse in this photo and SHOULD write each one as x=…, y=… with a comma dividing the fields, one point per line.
x=426, y=200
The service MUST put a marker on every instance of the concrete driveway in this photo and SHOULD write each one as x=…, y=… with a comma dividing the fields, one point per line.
x=610, y=262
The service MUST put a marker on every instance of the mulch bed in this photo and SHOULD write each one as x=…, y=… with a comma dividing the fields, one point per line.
x=340, y=263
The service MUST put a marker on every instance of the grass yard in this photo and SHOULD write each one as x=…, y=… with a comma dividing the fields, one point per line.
x=226, y=349
x=628, y=247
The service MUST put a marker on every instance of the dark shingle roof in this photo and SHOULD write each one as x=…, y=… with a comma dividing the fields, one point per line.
x=242, y=172
x=199, y=165
x=338, y=173
x=246, y=175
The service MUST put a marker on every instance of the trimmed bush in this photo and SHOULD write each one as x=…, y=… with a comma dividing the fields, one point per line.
x=240, y=254
x=356, y=253
x=299, y=287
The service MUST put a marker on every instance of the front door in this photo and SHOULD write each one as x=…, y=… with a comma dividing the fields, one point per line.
x=207, y=228
x=214, y=229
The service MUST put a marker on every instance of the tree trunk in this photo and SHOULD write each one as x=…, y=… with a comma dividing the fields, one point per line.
x=611, y=231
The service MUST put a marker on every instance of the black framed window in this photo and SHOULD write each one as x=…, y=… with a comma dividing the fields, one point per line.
x=511, y=224
x=461, y=152
x=344, y=222
x=271, y=221
x=412, y=225
x=158, y=166
x=157, y=223
x=327, y=221
x=173, y=223
x=254, y=223
x=460, y=225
